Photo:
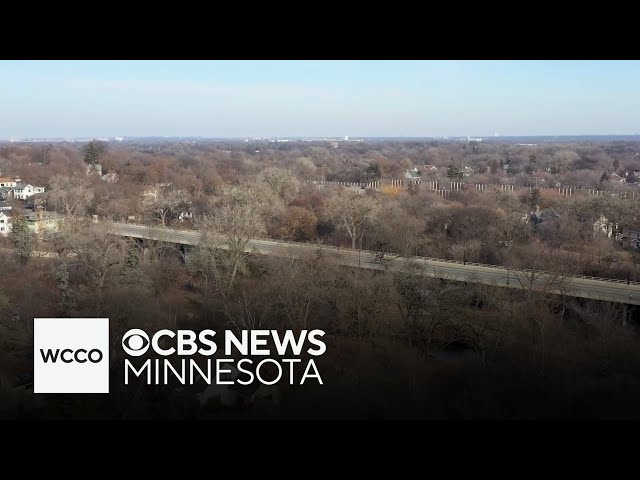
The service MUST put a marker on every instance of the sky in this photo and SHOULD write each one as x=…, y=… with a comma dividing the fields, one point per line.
x=53, y=99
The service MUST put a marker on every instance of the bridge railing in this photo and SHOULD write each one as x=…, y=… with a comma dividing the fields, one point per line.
x=417, y=257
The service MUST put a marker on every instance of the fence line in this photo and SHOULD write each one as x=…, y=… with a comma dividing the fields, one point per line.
x=451, y=186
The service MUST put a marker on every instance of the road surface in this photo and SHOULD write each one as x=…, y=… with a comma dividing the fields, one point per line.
x=586, y=287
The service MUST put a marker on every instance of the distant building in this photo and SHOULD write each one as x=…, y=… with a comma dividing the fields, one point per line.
x=5, y=207
x=614, y=177
x=7, y=182
x=6, y=192
x=110, y=177
x=602, y=226
x=412, y=175
x=467, y=171
x=544, y=215
x=185, y=216
x=24, y=191
x=5, y=224
x=42, y=223
x=630, y=237
x=94, y=169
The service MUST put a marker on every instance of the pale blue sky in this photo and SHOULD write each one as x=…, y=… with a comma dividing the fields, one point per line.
x=318, y=98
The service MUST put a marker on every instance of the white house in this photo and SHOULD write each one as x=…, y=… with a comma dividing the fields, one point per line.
x=412, y=175
x=7, y=182
x=5, y=225
x=602, y=226
x=24, y=191
x=110, y=177
x=467, y=171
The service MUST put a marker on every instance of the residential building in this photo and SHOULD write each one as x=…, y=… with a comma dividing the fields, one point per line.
x=41, y=222
x=5, y=224
x=110, y=177
x=602, y=226
x=630, y=237
x=7, y=182
x=23, y=191
x=4, y=206
x=6, y=192
x=412, y=175
x=544, y=215
x=614, y=177
x=94, y=169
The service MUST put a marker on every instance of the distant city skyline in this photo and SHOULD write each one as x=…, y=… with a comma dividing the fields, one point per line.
x=240, y=99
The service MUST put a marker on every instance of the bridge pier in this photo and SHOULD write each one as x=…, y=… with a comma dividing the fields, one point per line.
x=629, y=313
x=184, y=251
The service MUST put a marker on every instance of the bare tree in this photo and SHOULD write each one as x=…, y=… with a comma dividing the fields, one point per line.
x=298, y=288
x=164, y=202
x=69, y=195
x=396, y=231
x=538, y=286
x=247, y=312
x=281, y=181
x=361, y=302
x=353, y=213
x=231, y=226
x=92, y=247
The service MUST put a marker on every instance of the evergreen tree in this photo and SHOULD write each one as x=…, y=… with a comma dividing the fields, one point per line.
x=454, y=172
x=616, y=165
x=66, y=298
x=604, y=178
x=374, y=170
x=93, y=151
x=21, y=238
x=131, y=275
x=534, y=198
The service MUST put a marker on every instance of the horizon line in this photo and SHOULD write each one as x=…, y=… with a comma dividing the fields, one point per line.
x=314, y=137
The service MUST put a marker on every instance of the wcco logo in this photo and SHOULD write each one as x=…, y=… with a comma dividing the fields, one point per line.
x=71, y=355
x=81, y=355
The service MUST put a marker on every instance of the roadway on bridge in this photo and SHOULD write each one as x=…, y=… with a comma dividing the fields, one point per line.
x=598, y=289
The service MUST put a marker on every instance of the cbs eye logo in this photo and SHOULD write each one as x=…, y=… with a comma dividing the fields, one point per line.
x=135, y=342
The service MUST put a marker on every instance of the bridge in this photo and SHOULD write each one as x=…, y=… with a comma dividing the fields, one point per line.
x=595, y=288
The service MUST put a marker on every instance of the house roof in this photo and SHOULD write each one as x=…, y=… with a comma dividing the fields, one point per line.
x=5, y=189
x=413, y=174
x=21, y=186
x=544, y=214
x=33, y=217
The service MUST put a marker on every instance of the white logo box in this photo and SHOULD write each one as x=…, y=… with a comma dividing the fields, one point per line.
x=76, y=355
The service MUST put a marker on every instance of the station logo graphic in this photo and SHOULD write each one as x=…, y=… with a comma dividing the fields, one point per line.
x=71, y=355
